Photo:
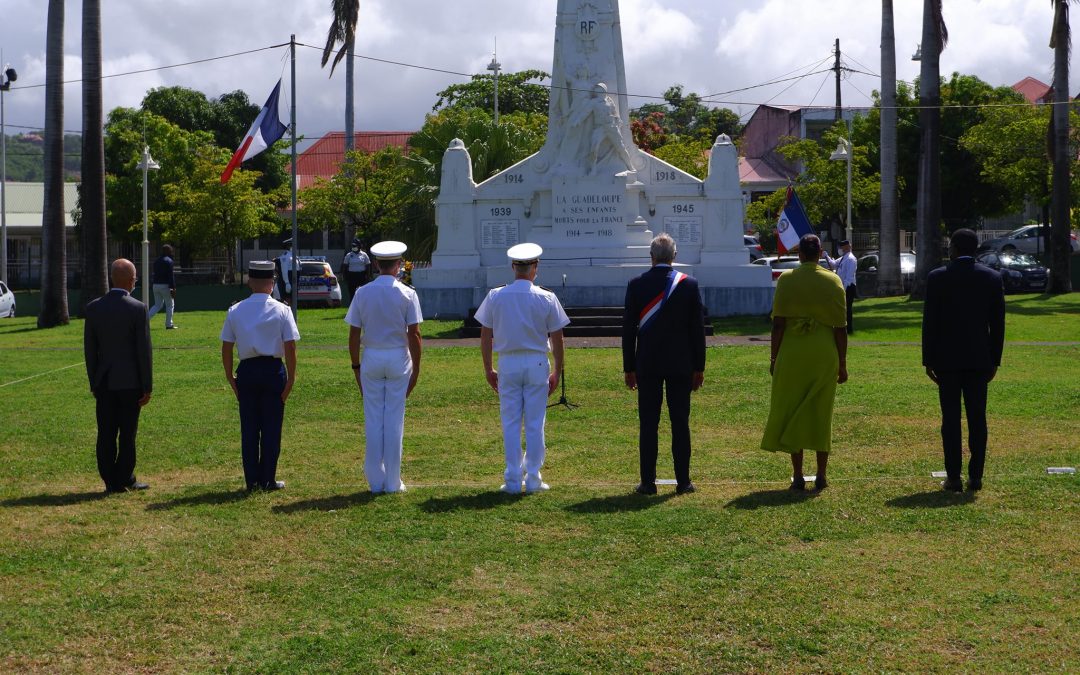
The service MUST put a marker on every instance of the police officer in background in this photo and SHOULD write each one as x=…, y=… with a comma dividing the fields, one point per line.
x=354, y=267
x=844, y=266
x=385, y=315
x=286, y=277
x=263, y=332
x=519, y=319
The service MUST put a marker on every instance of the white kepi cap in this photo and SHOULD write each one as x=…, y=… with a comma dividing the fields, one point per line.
x=525, y=253
x=388, y=250
x=261, y=269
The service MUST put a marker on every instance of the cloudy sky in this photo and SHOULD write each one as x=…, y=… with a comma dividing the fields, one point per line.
x=709, y=46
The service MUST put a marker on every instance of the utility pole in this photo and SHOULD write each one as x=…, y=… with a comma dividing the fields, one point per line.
x=836, y=69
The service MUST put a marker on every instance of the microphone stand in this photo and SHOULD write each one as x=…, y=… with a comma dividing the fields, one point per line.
x=562, y=398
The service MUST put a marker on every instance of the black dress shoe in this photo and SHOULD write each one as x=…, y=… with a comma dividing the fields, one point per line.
x=798, y=485
x=974, y=485
x=137, y=486
x=952, y=486
x=685, y=489
x=820, y=484
x=114, y=490
x=276, y=485
x=645, y=489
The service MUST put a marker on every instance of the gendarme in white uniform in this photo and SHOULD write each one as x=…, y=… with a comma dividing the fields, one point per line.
x=384, y=309
x=844, y=266
x=520, y=316
x=356, y=261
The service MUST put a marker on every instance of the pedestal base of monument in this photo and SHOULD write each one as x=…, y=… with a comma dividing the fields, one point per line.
x=726, y=291
x=584, y=322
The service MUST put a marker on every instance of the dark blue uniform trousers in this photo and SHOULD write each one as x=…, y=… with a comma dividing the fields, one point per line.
x=259, y=383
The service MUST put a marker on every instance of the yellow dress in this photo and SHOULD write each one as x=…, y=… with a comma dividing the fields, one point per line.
x=804, y=376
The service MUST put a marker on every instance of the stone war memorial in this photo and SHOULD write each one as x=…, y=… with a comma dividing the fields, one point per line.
x=590, y=197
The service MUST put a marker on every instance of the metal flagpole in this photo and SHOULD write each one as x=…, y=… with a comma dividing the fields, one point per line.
x=295, y=234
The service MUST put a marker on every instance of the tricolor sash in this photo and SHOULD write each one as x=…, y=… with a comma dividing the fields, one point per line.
x=652, y=310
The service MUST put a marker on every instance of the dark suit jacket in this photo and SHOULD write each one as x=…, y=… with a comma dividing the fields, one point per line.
x=963, y=317
x=116, y=343
x=675, y=342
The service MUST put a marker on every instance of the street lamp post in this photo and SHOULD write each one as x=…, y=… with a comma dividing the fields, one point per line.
x=6, y=78
x=494, y=67
x=146, y=164
x=843, y=152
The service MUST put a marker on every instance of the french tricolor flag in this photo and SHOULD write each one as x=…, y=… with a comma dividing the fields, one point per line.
x=264, y=132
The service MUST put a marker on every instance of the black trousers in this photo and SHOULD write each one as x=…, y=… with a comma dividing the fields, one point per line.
x=851, y=292
x=259, y=383
x=971, y=385
x=650, y=397
x=354, y=280
x=117, y=422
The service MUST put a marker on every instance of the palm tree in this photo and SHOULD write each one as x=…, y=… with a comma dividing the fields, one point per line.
x=1060, y=42
x=92, y=193
x=928, y=206
x=346, y=14
x=54, y=305
x=889, y=282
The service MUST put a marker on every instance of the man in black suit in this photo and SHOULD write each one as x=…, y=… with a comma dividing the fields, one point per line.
x=963, y=335
x=116, y=344
x=663, y=344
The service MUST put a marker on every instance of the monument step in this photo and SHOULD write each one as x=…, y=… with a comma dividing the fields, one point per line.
x=584, y=322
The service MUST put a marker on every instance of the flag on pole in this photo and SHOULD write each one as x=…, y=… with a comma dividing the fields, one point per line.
x=792, y=224
x=264, y=132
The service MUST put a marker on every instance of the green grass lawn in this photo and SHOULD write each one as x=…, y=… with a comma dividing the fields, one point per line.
x=881, y=572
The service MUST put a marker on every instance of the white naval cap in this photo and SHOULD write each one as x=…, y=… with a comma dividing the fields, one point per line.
x=261, y=269
x=388, y=250
x=525, y=253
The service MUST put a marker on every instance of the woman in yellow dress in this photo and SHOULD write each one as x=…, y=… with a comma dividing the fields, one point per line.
x=809, y=358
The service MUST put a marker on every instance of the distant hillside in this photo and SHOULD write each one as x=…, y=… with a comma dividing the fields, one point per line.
x=24, y=157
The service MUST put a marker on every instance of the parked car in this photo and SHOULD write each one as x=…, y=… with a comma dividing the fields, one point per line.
x=753, y=247
x=1027, y=239
x=1019, y=271
x=317, y=282
x=866, y=271
x=781, y=263
x=7, y=302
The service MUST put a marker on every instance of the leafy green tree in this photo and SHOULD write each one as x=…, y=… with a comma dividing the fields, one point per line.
x=822, y=186
x=684, y=117
x=227, y=118
x=690, y=156
x=207, y=217
x=517, y=93
x=127, y=130
x=365, y=197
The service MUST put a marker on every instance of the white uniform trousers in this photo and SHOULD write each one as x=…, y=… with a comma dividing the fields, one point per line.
x=164, y=298
x=384, y=374
x=523, y=394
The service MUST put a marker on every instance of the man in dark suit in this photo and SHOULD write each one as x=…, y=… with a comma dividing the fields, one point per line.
x=663, y=345
x=116, y=344
x=963, y=336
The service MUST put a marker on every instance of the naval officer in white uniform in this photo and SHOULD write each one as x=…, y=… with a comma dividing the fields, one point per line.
x=385, y=315
x=517, y=321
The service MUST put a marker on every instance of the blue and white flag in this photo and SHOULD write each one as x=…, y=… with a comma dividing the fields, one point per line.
x=792, y=224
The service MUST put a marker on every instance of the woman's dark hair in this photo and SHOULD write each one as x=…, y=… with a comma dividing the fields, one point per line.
x=809, y=247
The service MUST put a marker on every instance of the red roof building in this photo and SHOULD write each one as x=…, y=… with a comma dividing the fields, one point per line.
x=1034, y=91
x=323, y=158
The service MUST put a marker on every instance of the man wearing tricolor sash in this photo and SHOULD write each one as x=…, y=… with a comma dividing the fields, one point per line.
x=663, y=345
